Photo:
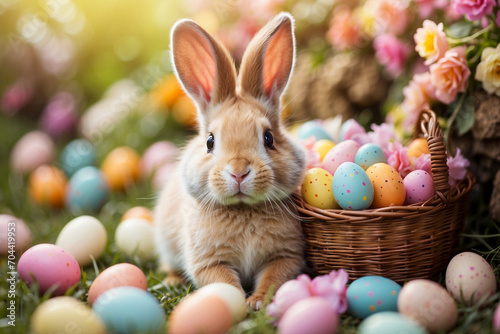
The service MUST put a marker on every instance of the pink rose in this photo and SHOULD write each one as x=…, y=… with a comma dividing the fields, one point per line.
x=392, y=53
x=391, y=16
x=344, y=32
x=449, y=75
x=398, y=159
x=474, y=9
x=423, y=162
x=333, y=289
x=457, y=167
x=353, y=130
x=427, y=7
x=430, y=41
x=383, y=135
x=418, y=94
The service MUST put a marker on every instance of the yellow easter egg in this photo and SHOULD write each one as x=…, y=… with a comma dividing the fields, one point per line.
x=47, y=185
x=322, y=147
x=418, y=147
x=388, y=185
x=184, y=111
x=166, y=92
x=317, y=189
x=121, y=167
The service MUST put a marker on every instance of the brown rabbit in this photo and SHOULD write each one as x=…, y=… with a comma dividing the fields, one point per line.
x=225, y=215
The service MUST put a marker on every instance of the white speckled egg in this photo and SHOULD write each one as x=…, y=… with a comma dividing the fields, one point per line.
x=470, y=276
x=31, y=151
x=317, y=189
x=429, y=304
x=419, y=186
x=135, y=236
x=340, y=153
x=83, y=237
x=369, y=154
x=389, y=323
x=352, y=187
x=65, y=315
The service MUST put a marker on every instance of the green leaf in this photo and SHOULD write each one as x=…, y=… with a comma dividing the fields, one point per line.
x=460, y=29
x=465, y=117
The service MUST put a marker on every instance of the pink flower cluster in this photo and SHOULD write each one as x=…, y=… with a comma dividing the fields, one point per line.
x=474, y=9
x=332, y=288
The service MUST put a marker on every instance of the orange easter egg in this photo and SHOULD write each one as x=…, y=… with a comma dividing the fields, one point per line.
x=184, y=111
x=47, y=185
x=418, y=147
x=200, y=313
x=121, y=167
x=167, y=92
x=388, y=185
x=138, y=212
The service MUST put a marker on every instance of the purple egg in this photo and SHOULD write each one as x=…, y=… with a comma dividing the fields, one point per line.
x=59, y=117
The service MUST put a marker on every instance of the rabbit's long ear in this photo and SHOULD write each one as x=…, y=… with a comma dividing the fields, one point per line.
x=269, y=60
x=202, y=64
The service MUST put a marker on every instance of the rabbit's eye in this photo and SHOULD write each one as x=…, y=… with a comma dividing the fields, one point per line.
x=268, y=139
x=210, y=143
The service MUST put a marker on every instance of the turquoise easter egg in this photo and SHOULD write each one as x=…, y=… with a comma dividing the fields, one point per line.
x=369, y=154
x=389, y=323
x=77, y=154
x=352, y=187
x=312, y=129
x=372, y=294
x=129, y=310
x=87, y=191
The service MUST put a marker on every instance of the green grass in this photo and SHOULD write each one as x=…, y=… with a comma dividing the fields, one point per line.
x=481, y=232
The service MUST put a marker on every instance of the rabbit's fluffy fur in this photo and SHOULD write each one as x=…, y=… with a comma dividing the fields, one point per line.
x=225, y=215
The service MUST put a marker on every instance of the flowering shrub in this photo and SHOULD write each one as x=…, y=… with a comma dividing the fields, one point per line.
x=455, y=52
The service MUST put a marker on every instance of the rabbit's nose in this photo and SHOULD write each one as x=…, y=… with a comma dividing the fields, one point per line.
x=239, y=177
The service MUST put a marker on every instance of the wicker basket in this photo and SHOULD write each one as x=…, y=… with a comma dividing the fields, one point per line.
x=397, y=242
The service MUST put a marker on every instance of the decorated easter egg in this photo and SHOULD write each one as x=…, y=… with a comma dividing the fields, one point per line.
x=369, y=154
x=389, y=323
x=135, y=236
x=310, y=315
x=121, y=167
x=63, y=315
x=31, y=151
x=388, y=185
x=156, y=156
x=15, y=236
x=317, y=189
x=87, y=191
x=340, y=153
x=417, y=147
x=51, y=266
x=122, y=274
x=372, y=294
x=429, y=304
x=470, y=278
x=496, y=320
x=199, y=313
x=131, y=310
x=138, y=212
x=312, y=129
x=83, y=237
x=47, y=186
x=59, y=117
x=77, y=154
x=232, y=296
x=419, y=187
x=322, y=147
x=352, y=187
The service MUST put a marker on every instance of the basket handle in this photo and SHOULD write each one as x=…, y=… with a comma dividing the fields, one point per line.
x=428, y=126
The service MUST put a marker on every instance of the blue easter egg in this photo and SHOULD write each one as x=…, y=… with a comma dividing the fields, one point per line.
x=131, y=310
x=77, y=154
x=369, y=154
x=87, y=191
x=312, y=129
x=390, y=323
x=352, y=187
x=372, y=294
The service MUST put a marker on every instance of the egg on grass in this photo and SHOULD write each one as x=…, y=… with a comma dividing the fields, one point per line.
x=135, y=236
x=310, y=315
x=156, y=156
x=77, y=154
x=390, y=323
x=47, y=186
x=87, y=191
x=138, y=212
x=34, y=149
x=15, y=236
x=121, y=167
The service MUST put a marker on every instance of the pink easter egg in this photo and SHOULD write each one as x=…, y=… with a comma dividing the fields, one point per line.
x=156, y=156
x=340, y=153
x=59, y=117
x=31, y=151
x=419, y=187
x=17, y=231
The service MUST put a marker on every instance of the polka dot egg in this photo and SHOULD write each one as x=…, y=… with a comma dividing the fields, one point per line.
x=419, y=186
x=317, y=189
x=372, y=294
x=340, y=153
x=470, y=277
x=429, y=304
x=352, y=187
x=387, y=185
x=368, y=155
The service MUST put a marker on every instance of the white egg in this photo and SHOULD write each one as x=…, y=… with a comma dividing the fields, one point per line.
x=83, y=237
x=135, y=236
x=233, y=297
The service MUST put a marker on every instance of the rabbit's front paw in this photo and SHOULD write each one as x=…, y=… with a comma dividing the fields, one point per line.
x=255, y=301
